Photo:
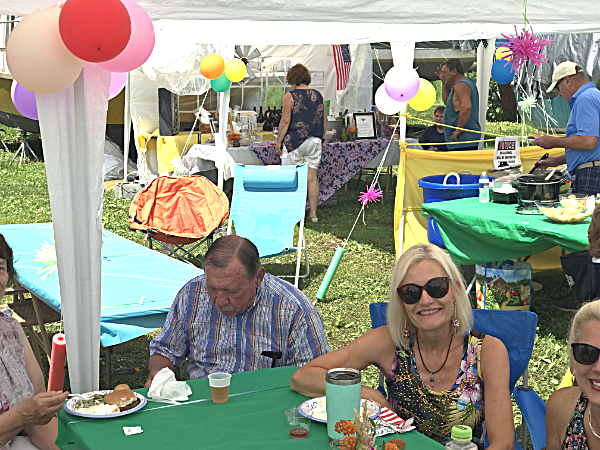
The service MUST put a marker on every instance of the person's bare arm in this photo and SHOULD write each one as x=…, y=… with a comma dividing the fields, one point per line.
x=463, y=93
x=42, y=436
x=155, y=365
x=574, y=142
x=559, y=410
x=445, y=87
x=552, y=161
x=375, y=347
x=284, y=123
x=495, y=374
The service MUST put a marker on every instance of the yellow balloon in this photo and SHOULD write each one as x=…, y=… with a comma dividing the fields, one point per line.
x=503, y=51
x=235, y=70
x=212, y=66
x=425, y=98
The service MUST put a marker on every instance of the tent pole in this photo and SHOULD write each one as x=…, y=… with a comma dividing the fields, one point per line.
x=485, y=57
x=126, y=126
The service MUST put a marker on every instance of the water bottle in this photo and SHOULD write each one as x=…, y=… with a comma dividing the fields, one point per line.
x=484, y=188
x=461, y=439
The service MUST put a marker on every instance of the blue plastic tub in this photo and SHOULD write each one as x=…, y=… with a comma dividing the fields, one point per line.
x=434, y=190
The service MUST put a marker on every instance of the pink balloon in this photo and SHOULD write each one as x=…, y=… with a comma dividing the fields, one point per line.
x=117, y=83
x=23, y=100
x=402, y=84
x=140, y=44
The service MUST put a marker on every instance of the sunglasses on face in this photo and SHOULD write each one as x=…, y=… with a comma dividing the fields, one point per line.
x=436, y=288
x=585, y=354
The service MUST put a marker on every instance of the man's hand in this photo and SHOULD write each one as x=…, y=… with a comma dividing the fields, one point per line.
x=440, y=74
x=543, y=141
x=278, y=148
x=455, y=134
x=551, y=161
x=42, y=407
x=432, y=149
x=155, y=365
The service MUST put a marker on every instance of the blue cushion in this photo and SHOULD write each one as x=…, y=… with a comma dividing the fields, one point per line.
x=270, y=179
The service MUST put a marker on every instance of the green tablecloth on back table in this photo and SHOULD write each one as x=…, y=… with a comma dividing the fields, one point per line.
x=477, y=233
x=252, y=418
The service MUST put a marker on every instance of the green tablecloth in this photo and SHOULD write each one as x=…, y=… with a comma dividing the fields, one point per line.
x=476, y=233
x=252, y=419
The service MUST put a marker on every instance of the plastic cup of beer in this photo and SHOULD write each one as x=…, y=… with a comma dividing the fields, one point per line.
x=219, y=386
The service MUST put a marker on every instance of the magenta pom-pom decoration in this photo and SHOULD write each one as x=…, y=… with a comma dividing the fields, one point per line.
x=402, y=84
x=524, y=46
x=23, y=100
x=372, y=195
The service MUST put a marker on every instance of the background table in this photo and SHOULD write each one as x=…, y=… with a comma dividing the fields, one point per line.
x=138, y=284
x=253, y=418
x=477, y=233
x=340, y=161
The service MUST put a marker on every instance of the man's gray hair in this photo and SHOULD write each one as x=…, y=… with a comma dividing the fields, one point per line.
x=222, y=252
x=455, y=63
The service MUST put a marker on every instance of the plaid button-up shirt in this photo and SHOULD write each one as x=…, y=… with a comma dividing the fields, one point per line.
x=281, y=318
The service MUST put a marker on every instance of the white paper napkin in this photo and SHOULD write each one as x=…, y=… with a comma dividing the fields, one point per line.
x=166, y=387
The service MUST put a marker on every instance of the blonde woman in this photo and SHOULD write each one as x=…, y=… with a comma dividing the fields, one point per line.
x=573, y=413
x=436, y=366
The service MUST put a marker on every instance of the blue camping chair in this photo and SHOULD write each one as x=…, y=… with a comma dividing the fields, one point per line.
x=267, y=203
x=533, y=410
x=502, y=325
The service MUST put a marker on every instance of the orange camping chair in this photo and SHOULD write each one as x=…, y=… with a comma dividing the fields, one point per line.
x=179, y=211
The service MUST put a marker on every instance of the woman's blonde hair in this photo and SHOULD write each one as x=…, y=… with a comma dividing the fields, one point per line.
x=397, y=313
x=587, y=313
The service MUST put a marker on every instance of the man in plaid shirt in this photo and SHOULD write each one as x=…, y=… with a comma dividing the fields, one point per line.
x=224, y=320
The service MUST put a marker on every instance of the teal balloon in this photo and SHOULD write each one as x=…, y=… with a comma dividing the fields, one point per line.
x=221, y=84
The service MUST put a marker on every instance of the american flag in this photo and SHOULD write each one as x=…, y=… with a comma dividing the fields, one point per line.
x=342, y=59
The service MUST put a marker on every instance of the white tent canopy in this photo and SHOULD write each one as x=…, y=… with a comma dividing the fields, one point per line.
x=225, y=23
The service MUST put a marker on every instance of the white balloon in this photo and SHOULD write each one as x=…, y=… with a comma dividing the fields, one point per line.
x=385, y=104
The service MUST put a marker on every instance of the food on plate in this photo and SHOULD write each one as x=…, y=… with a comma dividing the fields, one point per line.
x=113, y=402
x=121, y=387
x=320, y=410
x=566, y=215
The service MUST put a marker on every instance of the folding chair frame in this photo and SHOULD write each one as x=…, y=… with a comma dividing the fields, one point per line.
x=179, y=251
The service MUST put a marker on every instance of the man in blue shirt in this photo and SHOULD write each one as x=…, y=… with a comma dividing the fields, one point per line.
x=582, y=146
x=461, y=97
x=228, y=318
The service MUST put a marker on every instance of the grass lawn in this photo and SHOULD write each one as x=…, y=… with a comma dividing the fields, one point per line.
x=362, y=277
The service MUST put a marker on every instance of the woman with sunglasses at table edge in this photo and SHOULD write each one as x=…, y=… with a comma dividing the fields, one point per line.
x=24, y=403
x=427, y=342
x=573, y=413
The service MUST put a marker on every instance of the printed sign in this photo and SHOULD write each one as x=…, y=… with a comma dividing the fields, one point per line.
x=507, y=152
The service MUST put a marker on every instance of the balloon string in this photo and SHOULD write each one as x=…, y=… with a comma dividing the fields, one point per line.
x=185, y=147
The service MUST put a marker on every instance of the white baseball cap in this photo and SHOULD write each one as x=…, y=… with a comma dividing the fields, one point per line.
x=564, y=69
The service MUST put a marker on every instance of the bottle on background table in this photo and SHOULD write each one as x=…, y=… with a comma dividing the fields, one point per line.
x=461, y=439
x=484, y=188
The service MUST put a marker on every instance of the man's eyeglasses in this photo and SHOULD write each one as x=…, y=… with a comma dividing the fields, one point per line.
x=585, y=354
x=436, y=288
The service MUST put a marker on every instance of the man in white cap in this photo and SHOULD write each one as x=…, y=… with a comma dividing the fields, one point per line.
x=582, y=143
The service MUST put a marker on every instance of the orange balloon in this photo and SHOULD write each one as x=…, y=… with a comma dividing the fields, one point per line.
x=212, y=66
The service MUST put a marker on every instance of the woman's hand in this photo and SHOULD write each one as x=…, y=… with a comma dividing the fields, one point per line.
x=373, y=394
x=42, y=407
x=278, y=148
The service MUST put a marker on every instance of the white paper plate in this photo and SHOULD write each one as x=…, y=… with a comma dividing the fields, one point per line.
x=308, y=408
x=70, y=406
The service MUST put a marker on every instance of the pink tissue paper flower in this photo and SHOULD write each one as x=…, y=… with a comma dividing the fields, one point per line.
x=372, y=195
x=524, y=46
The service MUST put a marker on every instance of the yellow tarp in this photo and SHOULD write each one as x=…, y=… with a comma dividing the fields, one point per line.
x=169, y=147
x=416, y=164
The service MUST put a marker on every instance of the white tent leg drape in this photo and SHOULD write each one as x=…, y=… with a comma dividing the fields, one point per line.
x=73, y=125
x=403, y=55
x=485, y=58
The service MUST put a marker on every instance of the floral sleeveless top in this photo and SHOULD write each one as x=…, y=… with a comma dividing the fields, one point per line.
x=15, y=385
x=575, y=437
x=307, y=120
x=435, y=413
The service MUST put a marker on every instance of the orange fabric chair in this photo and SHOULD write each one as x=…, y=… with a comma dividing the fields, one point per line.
x=179, y=211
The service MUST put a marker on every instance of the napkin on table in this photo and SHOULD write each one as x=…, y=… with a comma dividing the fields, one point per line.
x=166, y=387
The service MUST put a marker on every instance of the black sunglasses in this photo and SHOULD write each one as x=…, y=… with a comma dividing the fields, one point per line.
x=436, y=287
x=585, y=354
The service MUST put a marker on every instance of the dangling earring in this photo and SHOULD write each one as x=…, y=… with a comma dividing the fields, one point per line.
x=455, y=322
x=406, y=330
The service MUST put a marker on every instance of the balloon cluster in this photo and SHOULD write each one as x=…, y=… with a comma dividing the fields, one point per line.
x=404, y=85
x=221, y=75
x=47, y=49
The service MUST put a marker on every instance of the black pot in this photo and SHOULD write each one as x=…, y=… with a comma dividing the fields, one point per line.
x=532, y=187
